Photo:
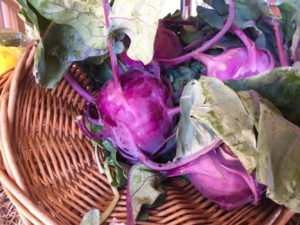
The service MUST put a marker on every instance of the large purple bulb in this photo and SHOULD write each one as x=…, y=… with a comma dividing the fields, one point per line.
x=138, y=114
x=220, y=176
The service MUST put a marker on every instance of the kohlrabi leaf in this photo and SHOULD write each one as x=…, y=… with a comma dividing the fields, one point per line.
x=249, y=14
x=180, y=76
x=139, y=20
x=245, y=11
x=144, y=188
x=92, y=217
x=87, y=17
x=60, y=46
x=280, y=86
x=250, y=100
x=290, y=11
x=193, y=135
x=222, y=110
x=279, y=157
x=29, y=15
x=119, y=175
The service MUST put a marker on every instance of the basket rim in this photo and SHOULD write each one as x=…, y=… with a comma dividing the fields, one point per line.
x=10, y=175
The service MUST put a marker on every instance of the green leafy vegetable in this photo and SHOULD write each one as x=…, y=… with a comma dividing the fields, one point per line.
x=193, y=135
x=82, y=34
x=180, y=76
x=119, y=174
x=222, y=110
x=279, y=157
x=280, y=86
x=87, y=17
x=249, y=14
x=60, y=46
x=27, y=14
x=290, y=11
x=145, y=189
x=92, y=217
x=250, y=100
x=139, y=20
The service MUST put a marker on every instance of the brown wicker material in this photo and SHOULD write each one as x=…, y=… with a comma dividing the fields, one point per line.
x=49, y=170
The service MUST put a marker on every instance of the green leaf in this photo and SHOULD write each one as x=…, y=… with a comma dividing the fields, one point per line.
x=193, y=135
x=92, y=217
x=222, y=110
x=146, y=188
x=250, y=100
x=249, y=14
x=290, y=11
x=279, y=157
x=27, y=14
x=280, y=86
x=245, y=11
x=119, y=175
x=87, y=17
x=139, y=20
x=181, y=75
x=61, y=46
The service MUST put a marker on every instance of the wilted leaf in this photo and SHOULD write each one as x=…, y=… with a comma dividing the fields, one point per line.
x=279, y=157
x=91, y=218
x=145, y=189
x=193, y=135
x=280, y=86
x=61, y=46
x=139, y=20
x=222, y=111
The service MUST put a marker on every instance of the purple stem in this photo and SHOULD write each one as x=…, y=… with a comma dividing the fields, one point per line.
x=279, y=42
x=125, y=155
x=157, y=151
x=206, y=45
x=205, y=59
x=78, y=88
x=250, y=46
x=178, y=22
x=174, y=111
x=112, y=55
x=198, y=42
x=295, y=55
x=172, y=165
x=87, y=132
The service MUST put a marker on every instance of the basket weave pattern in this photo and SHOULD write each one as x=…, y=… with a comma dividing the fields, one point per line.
x=49, y=170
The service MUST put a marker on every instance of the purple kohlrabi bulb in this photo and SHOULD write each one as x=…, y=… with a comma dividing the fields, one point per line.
x=138, y=115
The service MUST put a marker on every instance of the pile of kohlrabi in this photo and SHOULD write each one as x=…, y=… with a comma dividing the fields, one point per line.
x=214, y=98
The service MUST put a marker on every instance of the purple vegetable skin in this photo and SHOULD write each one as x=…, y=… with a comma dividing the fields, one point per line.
x=136, y=109
x=139, y=114
x=153, y=67
x=235, y=63
x=166, y=44
x=220, y=176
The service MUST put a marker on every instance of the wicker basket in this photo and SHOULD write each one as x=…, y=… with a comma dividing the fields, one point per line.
x=49, y=172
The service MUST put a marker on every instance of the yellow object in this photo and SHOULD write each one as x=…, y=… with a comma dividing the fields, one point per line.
x=9, y=57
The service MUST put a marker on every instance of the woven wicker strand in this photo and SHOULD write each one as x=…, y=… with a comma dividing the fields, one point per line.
x=49, y=170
